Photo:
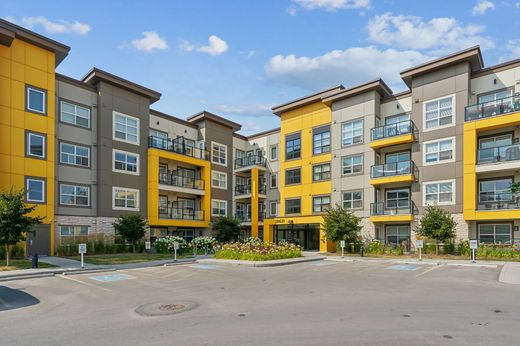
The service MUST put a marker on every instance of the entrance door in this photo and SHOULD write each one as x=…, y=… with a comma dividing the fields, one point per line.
x=39, y=242
x=307, y=236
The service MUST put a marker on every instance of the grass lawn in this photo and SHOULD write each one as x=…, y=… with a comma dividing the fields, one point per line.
x=22, y=264
x=125, y=258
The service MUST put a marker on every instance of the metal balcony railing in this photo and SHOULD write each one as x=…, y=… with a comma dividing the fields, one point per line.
x=498, y=154
x=498, y=200
x=254, y=160
x=492, y=108
x=392, y=130
x=393, y=169
x=178, y=146
x=181, y=214
x=174, y=179
x=246, y=189
x=397, y=208
x=244, y=217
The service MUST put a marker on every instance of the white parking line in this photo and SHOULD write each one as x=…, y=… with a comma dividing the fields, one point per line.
x=83, y=283
x=429, y=270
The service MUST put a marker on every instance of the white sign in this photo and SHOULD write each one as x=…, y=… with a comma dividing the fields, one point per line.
x=82, y=248
x=342, y=243
x=420, y=244
x=176, y=246
x=473, y=244
x=147, y=245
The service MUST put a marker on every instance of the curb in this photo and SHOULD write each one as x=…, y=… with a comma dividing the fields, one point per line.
x=49, y=273
x=510, y=274
x=260, y=264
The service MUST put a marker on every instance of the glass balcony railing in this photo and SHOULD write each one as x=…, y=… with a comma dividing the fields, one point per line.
x=174, y=179
x=393, y=169
x=493, y=108
x=178, y=146
x=248, y=161
x=498, y=200
x=498, y=154
x=244, y=217
x=246, y=189
x=181, y=214
x=392, y=130
x=394, y=208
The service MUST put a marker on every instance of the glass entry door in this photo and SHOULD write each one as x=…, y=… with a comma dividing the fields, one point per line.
x=307, y=236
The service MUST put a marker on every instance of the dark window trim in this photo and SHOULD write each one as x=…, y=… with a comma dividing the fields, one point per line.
x=292, y=169
x=89, y=206
x=44, y=179
x=352, y=191
x=363, y=132
x=321, y=131
x=322, y=164
x=321, y=205
x=270, y=180
x=79, y=145
x=511, y=223
x=60, y=99
x=26, y=101
x=293, y=199
x=512, y=177
x=26, y=145
x=362, y=165
x=299, y=133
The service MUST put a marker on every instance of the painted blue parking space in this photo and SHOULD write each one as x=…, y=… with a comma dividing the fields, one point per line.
x=402, y=267
x=204, y=266
x=112, y=277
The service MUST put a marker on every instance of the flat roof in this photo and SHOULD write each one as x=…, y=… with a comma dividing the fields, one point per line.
x=376, y=85
x=205, y=115
x=305, y=100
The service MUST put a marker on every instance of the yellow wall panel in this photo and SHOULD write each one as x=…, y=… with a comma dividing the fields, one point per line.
x=36, y=58
x=5, y=94
x=35, y=77
x=17, y=118
x=17, y=71
x=5, y=67
x=5, y=165
x=17, y=95
x=5, y=115
x=18, y=51
x=5, y=139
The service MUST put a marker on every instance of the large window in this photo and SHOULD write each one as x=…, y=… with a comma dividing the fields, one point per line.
x=219, y=180
x=320, y=204
x=439, y=192
x=73, y=231
x=398, y=198
x=496, y=95
x=74, y=195
x=125, y=162
x=218, y=207
x=36, y=100
x=293, y=206
x=321, y=172
x=293, y=176
x=398, y=234
x=353, y=199
x=495, y=190
x=293, y=146
x=219, y=153
x=126, y=128
x=497, y=148
x=35, y=145
x=35, y=190
x=439, y=113
x=496, y=233
x=274, y=152
x=72, y=154
x=74, y=114
x=125, y=198
x=352, y=132
x=352, y=164
x=321, y=140
x=439, y=151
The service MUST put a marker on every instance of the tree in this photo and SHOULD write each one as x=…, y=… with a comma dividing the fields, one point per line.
x=437, y=223
x=131, y=227
x=341, y=224
x=15, y=221
x=226, y=229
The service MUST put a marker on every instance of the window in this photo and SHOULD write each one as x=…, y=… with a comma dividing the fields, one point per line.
x=293, y=146
x=320, y=204
x=496, y=96
x=74, y=114
x=218, y=207
x=74, y=195
x=36, y=100
x=125, y=162
x=496, y=148
x=293, y=206
x=439, y=151
x=273, y=183
x=219, y=180
x=398, y=198
x=72, y=231
x=126, y=128
x=353, y=200
x=439, y=192
x=498, y=233
x=71, y=154
x=274, y=153
x=397, y=234
x=321, y=172
x=293, y=176
x=321, y=140
x=352, y=164
x=158, y=139
x=438, y=113
x=35, y=190
x=35, y=145
x=273, y=208
x=352, y=132
x=495, y=190
x=219, y=153
x=125, y=198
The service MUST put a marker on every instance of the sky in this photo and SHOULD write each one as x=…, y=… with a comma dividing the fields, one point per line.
x=239, y=58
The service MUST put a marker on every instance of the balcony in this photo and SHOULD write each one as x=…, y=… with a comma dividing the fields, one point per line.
x=403, y=211
x=245, y=190
x=495, y=108
x=246, y=218
x=173, y=179
x=489, y=201
x=393, y=134
x=181, y=214
x=398, y=172
x=178, y=146
x=250, y=161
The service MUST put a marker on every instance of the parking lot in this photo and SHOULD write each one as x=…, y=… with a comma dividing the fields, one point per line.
x=317, y=303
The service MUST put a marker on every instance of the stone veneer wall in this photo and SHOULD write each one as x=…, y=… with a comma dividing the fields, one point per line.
x=98, y=225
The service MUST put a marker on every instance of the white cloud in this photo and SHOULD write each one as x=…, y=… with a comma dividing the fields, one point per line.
x=351, y=66
x=482, y=7
x=513, y=51
x=440, y=35
x=59, y=27
x=150, y=42
x=257, y=109
x=332, y=5
x=216, y=46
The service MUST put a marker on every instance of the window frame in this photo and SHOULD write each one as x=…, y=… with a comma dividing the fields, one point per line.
x=321, y=205
x=438, y=182
x=352, y=200
x=453, y=113
x=352, y=165
x=511, y=231
x=74, y=227
x=75, y=154
x=286, y=141
x=28, y=154
x=343, y=125
x=225, y=153
x=321, y=173
x=44, y=190
x=290, y=200
x=75, y=104
x=271, y=175
x=271, y=203
x=138, y=127
x=225, y=180
x=126, y=189
x=275, y=147
x=27, y=100
x=293, y=169
x=320, y=131
x=126, y=153
x=225, y=208
x=438, y=162
x=75, y=185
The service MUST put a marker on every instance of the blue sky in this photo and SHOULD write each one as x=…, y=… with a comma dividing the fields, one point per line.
x=240, y=58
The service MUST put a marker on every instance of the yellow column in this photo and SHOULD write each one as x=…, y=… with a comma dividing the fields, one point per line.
x=326, y=246
x=470, y=176
x=268, y=231
x=254, y=202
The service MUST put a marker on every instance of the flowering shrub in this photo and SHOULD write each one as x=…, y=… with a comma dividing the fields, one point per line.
x=202, y=242
x=254, y=250
x=490, y=250
x=165, y=245
x=252, y=241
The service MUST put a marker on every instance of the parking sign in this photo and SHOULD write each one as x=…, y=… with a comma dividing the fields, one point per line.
x=420, y=244
x=147, y=245
x=473, y=244
x=82, y=248
x=176, y=246
x=342, y=243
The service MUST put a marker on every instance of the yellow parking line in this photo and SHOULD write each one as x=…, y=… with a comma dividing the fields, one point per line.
x=429, y=270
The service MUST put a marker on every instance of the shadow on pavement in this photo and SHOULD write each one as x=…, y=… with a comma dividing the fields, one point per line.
x=11, y=299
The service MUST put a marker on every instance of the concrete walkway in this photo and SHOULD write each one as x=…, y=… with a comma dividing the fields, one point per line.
x=489, y=264
x=65, y=262
x=510, y=274
x=271, y=263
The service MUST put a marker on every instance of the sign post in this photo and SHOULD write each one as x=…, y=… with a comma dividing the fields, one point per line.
x=342, y=244
x=473, y=244
x=148, y=245
x=420, y=246
x=82, y=249
x=175, y=248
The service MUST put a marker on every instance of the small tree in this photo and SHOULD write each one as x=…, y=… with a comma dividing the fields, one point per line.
x=437, y=224
x=226, y=229
x=131, y=228
x=15, y=221
x=341, y=224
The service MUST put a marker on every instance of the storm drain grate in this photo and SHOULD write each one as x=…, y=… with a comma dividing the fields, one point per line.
x=163, y=309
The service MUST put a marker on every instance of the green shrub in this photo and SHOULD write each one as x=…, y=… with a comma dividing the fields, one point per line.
x=375, y=247
x=15, y=252
x=254, y=251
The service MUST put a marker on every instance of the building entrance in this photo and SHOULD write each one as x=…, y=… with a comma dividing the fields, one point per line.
x=306, y=235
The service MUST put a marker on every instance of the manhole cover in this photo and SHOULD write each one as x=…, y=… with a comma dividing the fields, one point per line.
x=162, y=309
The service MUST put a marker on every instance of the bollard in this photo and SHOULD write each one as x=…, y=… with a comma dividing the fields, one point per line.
x=361, y=251
x=35, y=261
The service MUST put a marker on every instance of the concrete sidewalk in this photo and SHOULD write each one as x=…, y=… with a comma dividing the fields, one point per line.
x=510, y=273
x=489, y=264
x=65, y=262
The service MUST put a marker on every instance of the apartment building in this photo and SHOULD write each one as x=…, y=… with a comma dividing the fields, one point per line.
x=87, y=151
